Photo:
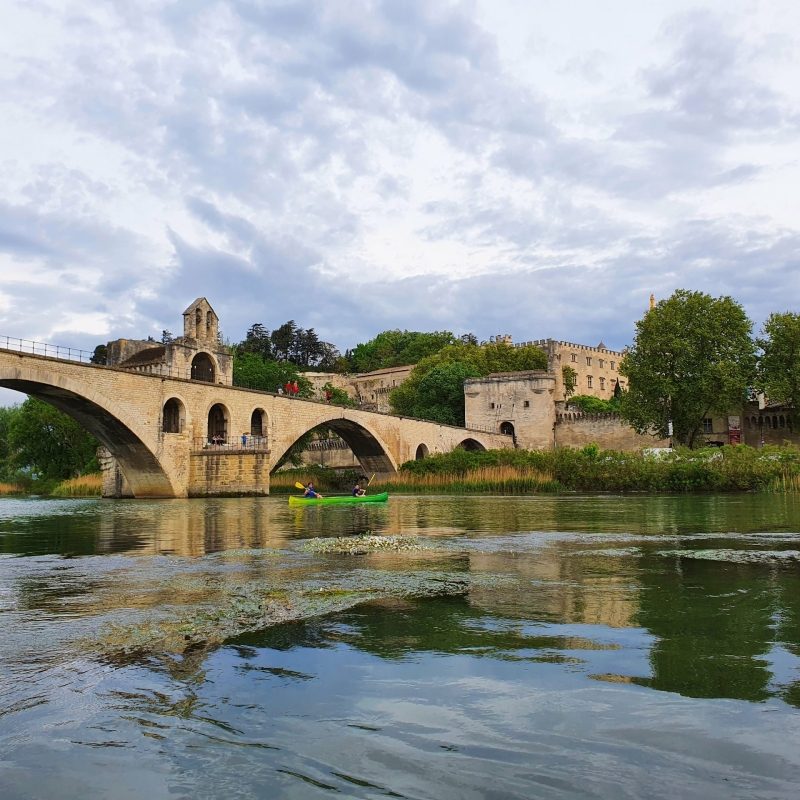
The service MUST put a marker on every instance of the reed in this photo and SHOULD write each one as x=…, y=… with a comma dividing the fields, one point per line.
x=83, y=486
x=11, y=488
x=504, y=479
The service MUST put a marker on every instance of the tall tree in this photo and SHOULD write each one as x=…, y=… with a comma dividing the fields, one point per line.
x=692, y=356
x=397, y=348
x=257, y=341
x=440, y=396
x=779, y=364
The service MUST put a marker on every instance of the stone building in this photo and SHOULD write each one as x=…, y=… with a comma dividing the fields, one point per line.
x=596, y=368
x=197, y=354
x=369, y=389
x=524, y=405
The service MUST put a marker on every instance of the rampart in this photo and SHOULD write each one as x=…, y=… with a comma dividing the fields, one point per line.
x=610, y=431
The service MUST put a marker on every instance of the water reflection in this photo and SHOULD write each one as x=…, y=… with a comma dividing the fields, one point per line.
x=649, y=598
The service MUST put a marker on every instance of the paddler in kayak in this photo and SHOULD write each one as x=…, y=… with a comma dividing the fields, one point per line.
x=358, y=491
x=310, y=493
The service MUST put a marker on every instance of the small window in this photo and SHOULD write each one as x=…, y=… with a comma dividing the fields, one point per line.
x=602, y=363
x=574, y=358
x=588, y=361
x=708, y=426
x=491, y=405
x=613, y=365
x=527, y=404
x=602, y=383
x=589, y=381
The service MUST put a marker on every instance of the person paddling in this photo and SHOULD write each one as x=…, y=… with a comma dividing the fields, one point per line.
x=358, y=491
x=310, y=493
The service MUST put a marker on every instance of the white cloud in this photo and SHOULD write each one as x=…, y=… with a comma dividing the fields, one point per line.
x=497, y=167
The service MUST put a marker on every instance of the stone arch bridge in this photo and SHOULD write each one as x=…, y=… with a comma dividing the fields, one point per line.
x=173, y=437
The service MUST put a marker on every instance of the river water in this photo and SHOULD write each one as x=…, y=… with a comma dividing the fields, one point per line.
x=558, y=647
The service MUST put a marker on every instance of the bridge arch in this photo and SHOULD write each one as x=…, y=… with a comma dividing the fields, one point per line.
x=259, y=422
x=173, y=415
x=204, y=368
x=471, y=444
x=367, y=446
x=117, y=430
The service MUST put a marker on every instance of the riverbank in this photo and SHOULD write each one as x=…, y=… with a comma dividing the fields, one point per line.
x=515, y=472
x=82, y=486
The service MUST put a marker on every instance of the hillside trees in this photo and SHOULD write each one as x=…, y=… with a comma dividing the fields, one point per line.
x=396, y=349
x=692, y=356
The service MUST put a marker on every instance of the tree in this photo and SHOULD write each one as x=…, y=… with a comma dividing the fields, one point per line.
x=485, y=359
x=396, y=349
x=253, y=372
x=339, y=397
x=166, y=337
x=570, y=380
x=100, y=355
x=779, y=364
x=440, y=396
x=257, y=340
x=692, y=356
x=7, y=468
x=44, y=440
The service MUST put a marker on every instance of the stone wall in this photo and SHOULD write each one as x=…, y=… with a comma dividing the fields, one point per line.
x=577, y=429
x=232, y=473
x=518, y=402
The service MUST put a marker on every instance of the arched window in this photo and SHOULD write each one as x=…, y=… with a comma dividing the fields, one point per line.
x=218, y=424
x=209, y=321
x=775, y=423
x=198, y=320
x=422, y=452
x=747, y=422
x=507, y=428
x=760, y=421
x=782, y=422
x=203, y=368
x=174, y=416
x=258, y=423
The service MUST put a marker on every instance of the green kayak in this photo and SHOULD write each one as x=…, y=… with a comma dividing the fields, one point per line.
x=294, y=500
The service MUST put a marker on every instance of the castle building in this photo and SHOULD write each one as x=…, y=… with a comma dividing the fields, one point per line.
x=596, y=369
x=197, y=354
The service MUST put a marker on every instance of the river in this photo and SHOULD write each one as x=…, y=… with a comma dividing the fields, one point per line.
x=554, y=647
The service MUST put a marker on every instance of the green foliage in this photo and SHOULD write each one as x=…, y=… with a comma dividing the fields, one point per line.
x=7, y=468
x=730, y=468
x=779, y=364
x=570, y=380
x=252, y=371
x=289, y=343
x=396, y=349
x=692, y=356
x=49, y=443
x=440, y=395
x=339, y=397
x=100, y=355
x=484, y=360
x=594, y=405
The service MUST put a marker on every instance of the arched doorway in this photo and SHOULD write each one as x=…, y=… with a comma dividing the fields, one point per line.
x=203, y=368
x=471, y=444
x=507, y=428
x=174, y=416
x=218, y=424
x=258, y=422
x=422, y=452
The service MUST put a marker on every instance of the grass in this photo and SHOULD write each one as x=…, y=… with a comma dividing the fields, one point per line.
x=11, y=488
x=83, y=486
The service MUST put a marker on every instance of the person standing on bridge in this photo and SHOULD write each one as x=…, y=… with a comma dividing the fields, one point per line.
x=289, y=388
x=296, y=389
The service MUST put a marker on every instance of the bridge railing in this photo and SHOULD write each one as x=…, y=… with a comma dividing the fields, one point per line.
x=487, y=429
x=44, y=349
x=227, y=444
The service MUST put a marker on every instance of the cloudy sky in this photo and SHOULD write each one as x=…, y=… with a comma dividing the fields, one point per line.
x=532, y=167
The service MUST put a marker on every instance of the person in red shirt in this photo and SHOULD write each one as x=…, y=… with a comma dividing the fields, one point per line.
x=289, y=388
x=296, y=388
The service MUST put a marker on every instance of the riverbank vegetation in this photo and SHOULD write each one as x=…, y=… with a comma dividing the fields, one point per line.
x=733, y=468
